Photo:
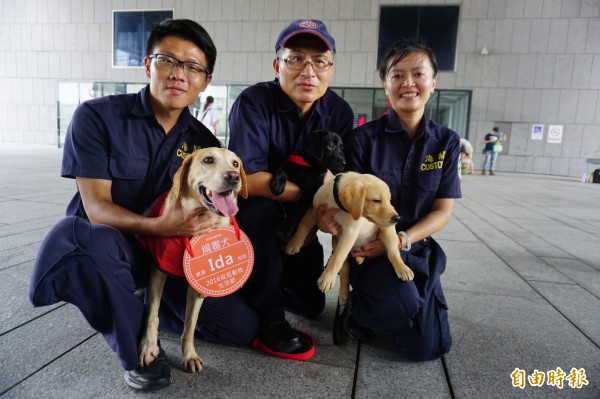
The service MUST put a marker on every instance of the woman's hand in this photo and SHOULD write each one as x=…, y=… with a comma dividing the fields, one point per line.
x=370, y=249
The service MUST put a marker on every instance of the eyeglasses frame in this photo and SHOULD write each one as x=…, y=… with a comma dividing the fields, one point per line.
x=182, y=63
x=306, y=62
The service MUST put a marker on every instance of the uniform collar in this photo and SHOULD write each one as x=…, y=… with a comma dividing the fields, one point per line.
x=142, y=108
x=285, y=103
x=394, y=125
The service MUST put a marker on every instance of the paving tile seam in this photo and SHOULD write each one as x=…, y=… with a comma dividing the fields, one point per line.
x=447, y=375
x=33, y=319
x=356, y=376
x=574, y=256
x=528, y=282
x=485, y=241
x=48, y=363
x=573, y=283
x=24, y=263
x=552, y=215
x=8, y=235
x=247, y=348
x=565, y=315
x=492, y=294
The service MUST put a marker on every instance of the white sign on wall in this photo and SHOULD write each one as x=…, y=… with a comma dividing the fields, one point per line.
x=537, y=132
x=555, y=133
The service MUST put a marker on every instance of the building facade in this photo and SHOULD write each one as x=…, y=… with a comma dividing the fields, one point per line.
x=526, y=65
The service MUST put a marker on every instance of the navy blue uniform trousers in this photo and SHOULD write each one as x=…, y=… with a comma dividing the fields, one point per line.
x=97, y=268
x=278, y=281
x=415, y=312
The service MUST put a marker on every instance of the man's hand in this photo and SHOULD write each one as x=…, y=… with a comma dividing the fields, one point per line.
x=177, y=221
x=325, y=221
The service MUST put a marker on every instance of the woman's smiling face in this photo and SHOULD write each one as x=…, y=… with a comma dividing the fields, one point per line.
x=409, y=82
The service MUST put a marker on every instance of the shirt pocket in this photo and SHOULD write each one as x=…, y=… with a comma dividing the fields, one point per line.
x=430, y=180
x=128, y=168
x=129, y=176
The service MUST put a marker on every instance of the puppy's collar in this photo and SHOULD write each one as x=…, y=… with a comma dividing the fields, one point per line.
x=297, y=159
x=336, y=193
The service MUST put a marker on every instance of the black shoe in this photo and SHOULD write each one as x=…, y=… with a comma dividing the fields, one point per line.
x=357, y=332
x=150, y=378
x=339, y=324
x=279, y=336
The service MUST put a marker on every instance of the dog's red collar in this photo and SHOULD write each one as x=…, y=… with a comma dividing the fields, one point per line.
x=297, y=159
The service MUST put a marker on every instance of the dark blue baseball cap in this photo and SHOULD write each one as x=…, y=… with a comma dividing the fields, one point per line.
x=305, y=26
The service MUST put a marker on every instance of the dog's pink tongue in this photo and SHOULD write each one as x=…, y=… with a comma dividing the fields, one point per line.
x=225, y=204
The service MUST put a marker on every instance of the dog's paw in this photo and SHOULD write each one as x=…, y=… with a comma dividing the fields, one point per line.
x=147, y=353
x=278, y=182
x=293, y=247
x=405, y=274
x=326, y=281
x=192, y=363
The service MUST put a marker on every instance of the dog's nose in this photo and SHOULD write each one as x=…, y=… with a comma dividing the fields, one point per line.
x=231, y=177
x=396, y=219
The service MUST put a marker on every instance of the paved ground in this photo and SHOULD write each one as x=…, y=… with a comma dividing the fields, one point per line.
x=523, y=285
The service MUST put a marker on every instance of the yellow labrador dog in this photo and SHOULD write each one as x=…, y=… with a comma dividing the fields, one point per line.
x=209, y=178
x=367, y=214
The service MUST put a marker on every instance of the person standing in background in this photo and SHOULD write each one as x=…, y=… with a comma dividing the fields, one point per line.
x=209, y=116
x=490, y=155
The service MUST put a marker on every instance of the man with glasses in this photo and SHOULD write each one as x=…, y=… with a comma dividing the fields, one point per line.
x=123, y=151
x=268, y=122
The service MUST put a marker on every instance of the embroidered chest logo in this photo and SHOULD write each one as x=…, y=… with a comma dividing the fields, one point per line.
x=432, y=163
x=184, y=150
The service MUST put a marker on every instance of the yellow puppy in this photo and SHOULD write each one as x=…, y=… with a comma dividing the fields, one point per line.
x=366, y=214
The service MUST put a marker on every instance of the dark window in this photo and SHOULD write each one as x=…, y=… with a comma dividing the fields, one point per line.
x=435, y=25
x=130, y=34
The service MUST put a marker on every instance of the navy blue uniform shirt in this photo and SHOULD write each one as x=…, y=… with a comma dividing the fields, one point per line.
x=266, y=127
x=118, y=138
x=417, y=172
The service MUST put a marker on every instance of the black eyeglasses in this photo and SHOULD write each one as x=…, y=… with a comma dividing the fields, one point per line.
x=299, y=63
x=168, y=63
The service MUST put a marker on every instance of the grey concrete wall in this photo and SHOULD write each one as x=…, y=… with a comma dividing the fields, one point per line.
x=543, y=64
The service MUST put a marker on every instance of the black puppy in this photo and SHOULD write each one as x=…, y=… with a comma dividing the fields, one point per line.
x=322, y=150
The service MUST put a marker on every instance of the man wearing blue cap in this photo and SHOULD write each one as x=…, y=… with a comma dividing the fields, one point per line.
x=268, y=122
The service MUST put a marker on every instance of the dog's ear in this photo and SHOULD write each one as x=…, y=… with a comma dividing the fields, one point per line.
x=180, y=178
x=353, y=198
x=244, y=190
x=313, y=144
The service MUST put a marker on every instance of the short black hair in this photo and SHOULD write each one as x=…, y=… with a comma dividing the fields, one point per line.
x=185, y=29
x=210, y=99
x=400, y=49
x=495, y=129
